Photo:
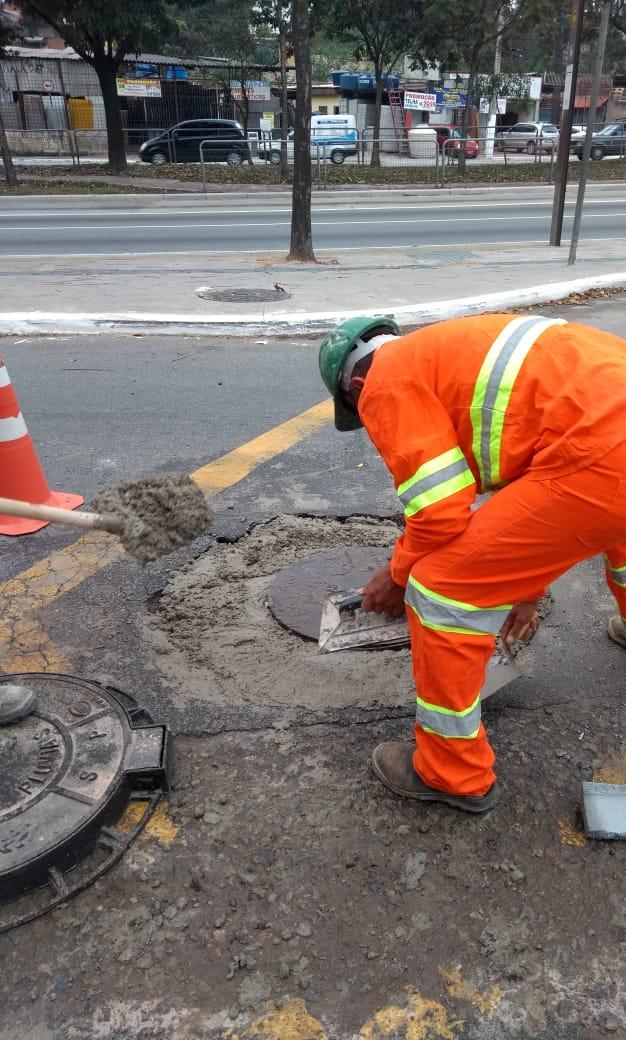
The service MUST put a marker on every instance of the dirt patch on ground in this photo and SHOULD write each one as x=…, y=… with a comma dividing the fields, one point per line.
x=215, y=638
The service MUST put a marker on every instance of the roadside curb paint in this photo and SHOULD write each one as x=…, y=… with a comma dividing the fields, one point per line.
x=282, y=323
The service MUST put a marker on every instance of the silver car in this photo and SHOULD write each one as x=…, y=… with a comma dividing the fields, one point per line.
x=528, y=137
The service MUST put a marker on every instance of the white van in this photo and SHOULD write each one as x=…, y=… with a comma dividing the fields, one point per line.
x=337, y=133
x=334, y=136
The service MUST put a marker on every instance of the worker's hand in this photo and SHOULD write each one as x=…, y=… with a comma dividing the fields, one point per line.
x=522, y=621
x=381, y=595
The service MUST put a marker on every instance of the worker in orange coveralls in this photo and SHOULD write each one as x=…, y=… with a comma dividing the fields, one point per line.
x=530, y=407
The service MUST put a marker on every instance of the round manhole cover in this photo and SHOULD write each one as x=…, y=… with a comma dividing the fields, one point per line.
x=297, y=593
x=243, y=295
x=65, y=771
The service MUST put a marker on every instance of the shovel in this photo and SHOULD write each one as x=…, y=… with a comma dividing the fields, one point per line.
x=55, y=515
x=345, y=626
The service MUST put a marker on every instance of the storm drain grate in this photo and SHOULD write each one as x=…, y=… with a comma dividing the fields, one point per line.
x=242, y=295
x=432, y=257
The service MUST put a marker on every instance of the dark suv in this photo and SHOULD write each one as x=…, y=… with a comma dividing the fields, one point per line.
x=225, y=142
x=611, y=140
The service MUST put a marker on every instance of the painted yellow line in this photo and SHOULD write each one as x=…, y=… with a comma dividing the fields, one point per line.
x=237, y=464
x=24, y=645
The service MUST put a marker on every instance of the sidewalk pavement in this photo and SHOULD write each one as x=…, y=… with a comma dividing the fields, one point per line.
x=142, y=293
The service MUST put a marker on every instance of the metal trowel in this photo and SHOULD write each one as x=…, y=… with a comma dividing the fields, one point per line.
x=345, y=626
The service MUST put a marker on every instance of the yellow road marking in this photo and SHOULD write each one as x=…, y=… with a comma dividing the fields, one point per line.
x=614, y=771
x=568, y=835
x=459, y=988
x=159, y=826
x=23, y=644
x=421, y=1019
x=291, y=1022
x=237, y=464
x=29, y=648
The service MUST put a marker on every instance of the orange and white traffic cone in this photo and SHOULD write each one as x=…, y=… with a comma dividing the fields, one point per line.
x=21, y=475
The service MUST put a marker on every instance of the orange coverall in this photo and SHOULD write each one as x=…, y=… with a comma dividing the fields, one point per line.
x=535, y=409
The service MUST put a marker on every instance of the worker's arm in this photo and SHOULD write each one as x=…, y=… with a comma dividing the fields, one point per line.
x=416, y=439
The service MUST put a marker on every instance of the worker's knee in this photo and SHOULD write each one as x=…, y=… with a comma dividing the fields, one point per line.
x=426, y=570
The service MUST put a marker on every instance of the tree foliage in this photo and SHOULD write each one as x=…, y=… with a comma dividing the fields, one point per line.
x=104, y=33
x=382, y=31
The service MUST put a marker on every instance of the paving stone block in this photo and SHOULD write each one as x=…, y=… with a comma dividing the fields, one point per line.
x=604, y=810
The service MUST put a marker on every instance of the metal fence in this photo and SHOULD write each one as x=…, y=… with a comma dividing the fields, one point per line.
x=52, y=94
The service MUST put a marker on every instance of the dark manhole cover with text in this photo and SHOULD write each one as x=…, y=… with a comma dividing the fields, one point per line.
x=66, y=771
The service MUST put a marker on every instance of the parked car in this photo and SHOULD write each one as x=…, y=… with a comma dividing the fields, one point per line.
x=528, y=137
x=225, y=142
x=611, y=140
x=270, y=150
x=448, y=133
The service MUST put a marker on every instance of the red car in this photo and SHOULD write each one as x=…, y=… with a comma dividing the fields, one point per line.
x=447, y=132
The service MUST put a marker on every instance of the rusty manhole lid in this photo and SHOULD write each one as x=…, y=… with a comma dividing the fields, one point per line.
x=66, y=771
x=242, y=295
x=298, y=592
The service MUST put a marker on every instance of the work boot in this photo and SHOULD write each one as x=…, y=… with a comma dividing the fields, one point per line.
x=617, y=630
x=15, y=703
x=393, y=764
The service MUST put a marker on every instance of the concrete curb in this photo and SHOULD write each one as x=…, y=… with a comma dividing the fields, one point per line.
x=332, y=196
x=282, y=323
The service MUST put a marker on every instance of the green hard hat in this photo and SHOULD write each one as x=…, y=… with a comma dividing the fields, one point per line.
x=334, y=350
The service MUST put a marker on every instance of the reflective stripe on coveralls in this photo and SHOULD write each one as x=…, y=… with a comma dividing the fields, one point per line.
x=449, y=615
x=617, y=574
x=434, y=480
x=460, y=725
x=493, y=390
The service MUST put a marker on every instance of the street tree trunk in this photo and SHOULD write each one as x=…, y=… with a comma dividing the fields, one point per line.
x=301, y=233
x=375, y=160
x=106, y=71
x=284, y=94
x=471, y=86
x=7, y=161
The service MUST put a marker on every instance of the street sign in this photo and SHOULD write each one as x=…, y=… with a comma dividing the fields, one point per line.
x=257, y=90
x=140, y=88
x=48, y=85
x=414, y=101
x=451, y=98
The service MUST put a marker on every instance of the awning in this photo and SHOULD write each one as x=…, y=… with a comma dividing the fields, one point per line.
x=583, y=102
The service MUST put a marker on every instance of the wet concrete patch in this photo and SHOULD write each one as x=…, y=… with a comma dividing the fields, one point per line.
x=214, y=639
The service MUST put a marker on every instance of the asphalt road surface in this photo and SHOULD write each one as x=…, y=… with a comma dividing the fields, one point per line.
x=236, y=228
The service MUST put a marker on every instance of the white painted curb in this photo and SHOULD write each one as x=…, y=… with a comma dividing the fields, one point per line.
x=283, y=323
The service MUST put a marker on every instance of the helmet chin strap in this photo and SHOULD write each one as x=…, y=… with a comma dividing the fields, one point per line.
x=362, y=349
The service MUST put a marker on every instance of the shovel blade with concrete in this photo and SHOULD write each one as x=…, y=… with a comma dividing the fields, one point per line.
x=345, y=626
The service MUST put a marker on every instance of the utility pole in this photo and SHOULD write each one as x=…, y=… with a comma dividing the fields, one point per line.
x=569, y=95
x=493, y=101
x=301, y=247
x=593, y=104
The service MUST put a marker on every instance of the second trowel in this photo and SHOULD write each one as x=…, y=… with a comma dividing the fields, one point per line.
x=345, y=626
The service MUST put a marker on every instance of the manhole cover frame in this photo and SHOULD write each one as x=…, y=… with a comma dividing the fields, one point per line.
x=50, y=875
x=242, y=295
